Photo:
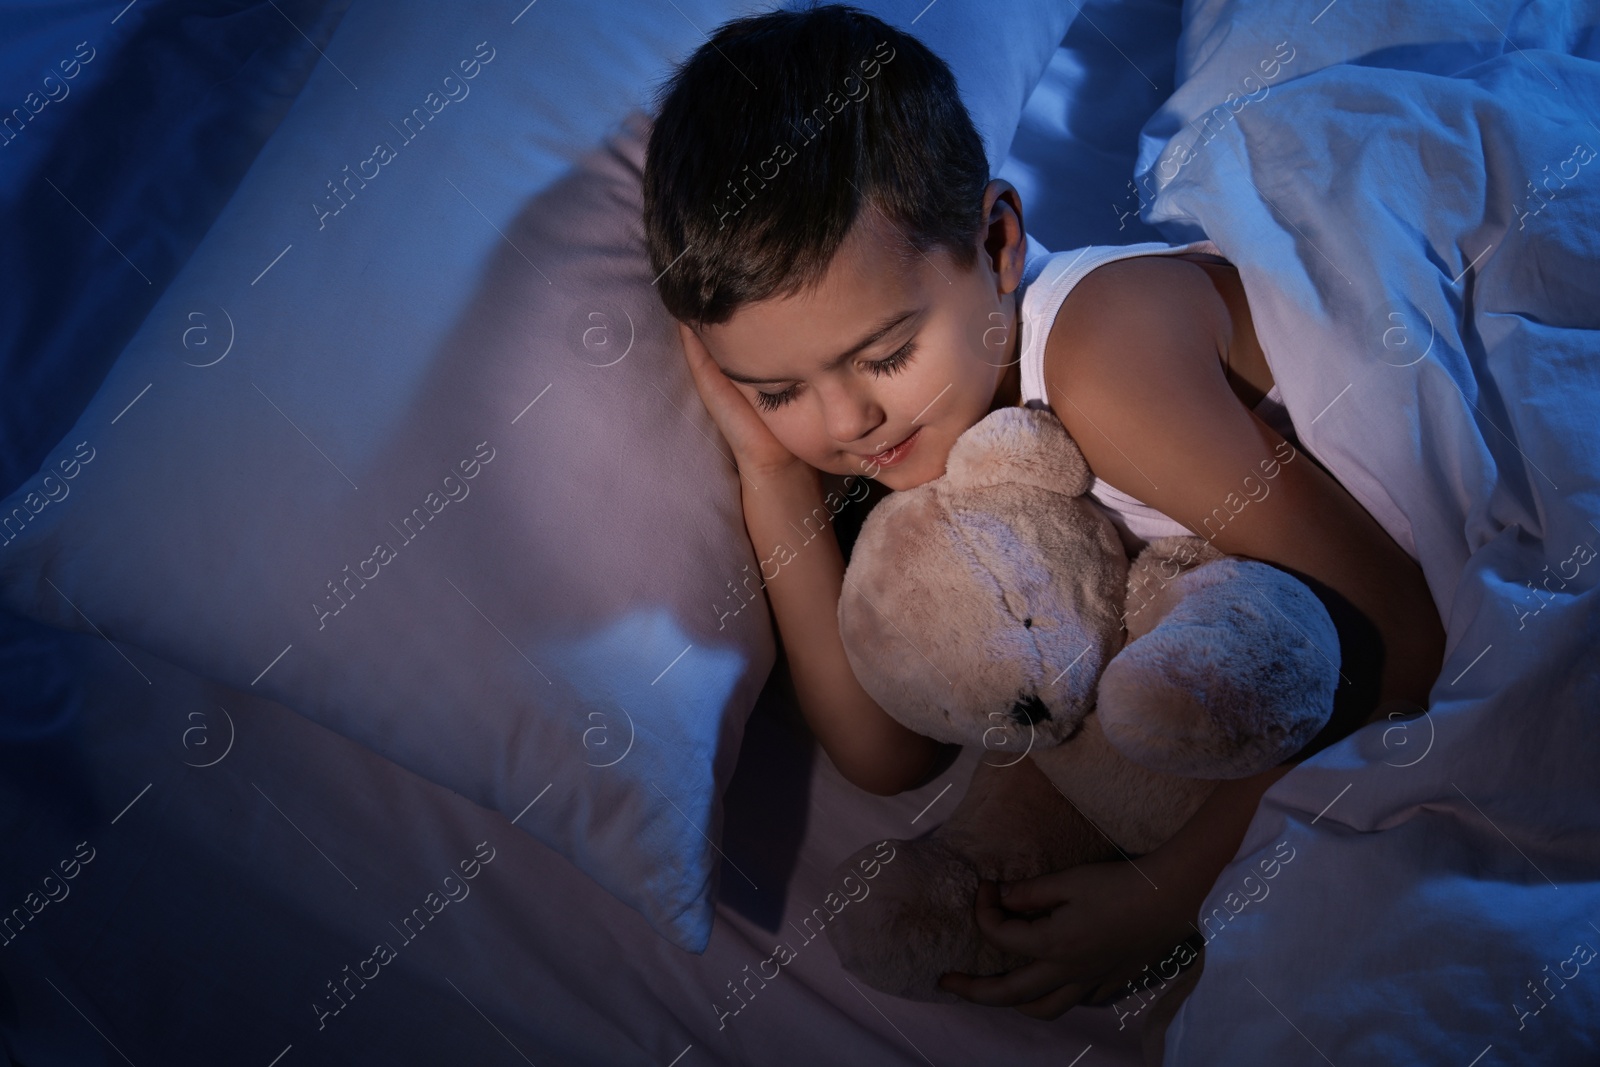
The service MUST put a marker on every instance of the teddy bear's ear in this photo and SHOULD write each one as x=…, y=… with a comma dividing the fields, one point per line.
x=1018, y=444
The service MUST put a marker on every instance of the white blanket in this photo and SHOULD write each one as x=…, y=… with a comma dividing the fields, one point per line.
x=1411, y=197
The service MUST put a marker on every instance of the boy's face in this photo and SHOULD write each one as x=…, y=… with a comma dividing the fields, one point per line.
x=947, y=359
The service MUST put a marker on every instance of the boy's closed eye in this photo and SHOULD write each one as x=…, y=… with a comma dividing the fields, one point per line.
x=879, y=367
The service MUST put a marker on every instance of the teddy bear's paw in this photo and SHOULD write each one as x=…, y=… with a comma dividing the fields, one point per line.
x=915, y=922
x=1236, y=678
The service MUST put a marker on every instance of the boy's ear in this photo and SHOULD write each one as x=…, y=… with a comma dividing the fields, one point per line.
x=1003, y=240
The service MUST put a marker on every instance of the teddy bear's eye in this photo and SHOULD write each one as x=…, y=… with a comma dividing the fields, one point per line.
x=1028, y=622
x=1029, y=710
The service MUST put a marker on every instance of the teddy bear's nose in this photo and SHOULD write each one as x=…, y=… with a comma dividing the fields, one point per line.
x=1029, y=709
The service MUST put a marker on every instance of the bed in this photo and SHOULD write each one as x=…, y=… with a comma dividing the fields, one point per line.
x=322, y=804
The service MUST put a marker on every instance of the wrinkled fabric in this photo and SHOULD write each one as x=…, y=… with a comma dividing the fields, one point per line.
x=1411, y=196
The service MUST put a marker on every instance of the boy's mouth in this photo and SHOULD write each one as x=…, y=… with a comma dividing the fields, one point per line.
x=890, y=456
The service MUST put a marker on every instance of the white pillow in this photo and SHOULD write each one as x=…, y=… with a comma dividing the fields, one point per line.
x=409, y=446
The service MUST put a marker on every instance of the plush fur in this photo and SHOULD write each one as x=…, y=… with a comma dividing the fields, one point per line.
x=995, y=606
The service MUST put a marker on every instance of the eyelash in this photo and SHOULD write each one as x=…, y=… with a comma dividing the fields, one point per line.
x=881, y=367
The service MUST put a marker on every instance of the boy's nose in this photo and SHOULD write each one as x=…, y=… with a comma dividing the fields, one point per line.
x=859, y=423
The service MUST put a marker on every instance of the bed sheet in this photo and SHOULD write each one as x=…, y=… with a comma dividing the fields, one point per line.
x=1073, y=157
x=1413, y=203
x=234, y=858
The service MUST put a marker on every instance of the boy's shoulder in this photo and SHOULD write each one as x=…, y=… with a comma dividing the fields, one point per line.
x=1128, y=331
x=1140, y=311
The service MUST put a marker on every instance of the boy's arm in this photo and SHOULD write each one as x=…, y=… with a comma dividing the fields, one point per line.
x=1132, y=370
x=1136, y=379
x=872, y=750
x=1133, y=373
x=1138, y=383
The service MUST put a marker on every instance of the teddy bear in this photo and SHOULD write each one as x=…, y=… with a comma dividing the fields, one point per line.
x=996, y=606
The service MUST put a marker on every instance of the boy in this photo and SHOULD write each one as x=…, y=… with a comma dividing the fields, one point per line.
x=846, y=276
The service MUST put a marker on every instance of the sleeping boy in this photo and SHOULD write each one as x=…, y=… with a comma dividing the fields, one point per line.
x=853, y=292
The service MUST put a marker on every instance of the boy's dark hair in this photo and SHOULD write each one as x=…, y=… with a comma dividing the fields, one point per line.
x=774, y=136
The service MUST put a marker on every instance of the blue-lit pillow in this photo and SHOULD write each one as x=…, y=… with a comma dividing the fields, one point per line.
x=409, y=445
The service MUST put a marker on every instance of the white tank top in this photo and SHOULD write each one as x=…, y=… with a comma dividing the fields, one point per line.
x=1047, y=278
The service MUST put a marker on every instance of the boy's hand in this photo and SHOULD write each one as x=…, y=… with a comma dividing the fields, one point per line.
x=757, y=453
x=1105, y=922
